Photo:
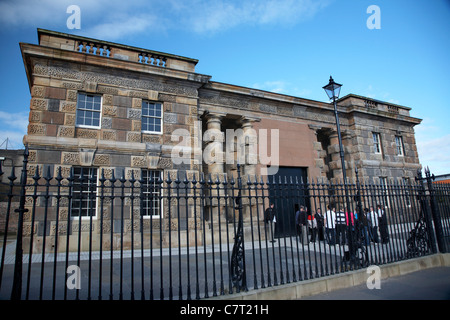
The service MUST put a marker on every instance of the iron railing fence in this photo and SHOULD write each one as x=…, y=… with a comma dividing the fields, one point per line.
x=115, y=235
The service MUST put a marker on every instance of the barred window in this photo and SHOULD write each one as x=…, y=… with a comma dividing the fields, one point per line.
x=84, y=199
x=89, y=109
x=151, y=117
x=151, y=193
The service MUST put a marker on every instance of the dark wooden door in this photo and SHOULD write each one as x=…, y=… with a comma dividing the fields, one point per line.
x=288, y=195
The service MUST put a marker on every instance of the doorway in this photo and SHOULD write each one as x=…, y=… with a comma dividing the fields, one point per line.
x=288, y=196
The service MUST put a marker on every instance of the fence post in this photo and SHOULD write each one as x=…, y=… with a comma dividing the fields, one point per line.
x=424, y=208
x=16, y=292
x=237, y=264
x=435, y=212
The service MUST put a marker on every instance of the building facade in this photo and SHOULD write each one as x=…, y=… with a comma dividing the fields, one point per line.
x=99, y=107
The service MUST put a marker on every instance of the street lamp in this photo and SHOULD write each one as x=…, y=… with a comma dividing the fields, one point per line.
x=333, y=89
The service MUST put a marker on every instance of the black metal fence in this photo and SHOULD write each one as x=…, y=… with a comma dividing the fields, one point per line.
x=85, y=234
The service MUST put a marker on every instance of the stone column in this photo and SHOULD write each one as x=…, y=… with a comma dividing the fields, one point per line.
x=213, y=157
x=335, y=163
x=249, y=148
x=333, y=150
x=321, y=154
x=213, y=154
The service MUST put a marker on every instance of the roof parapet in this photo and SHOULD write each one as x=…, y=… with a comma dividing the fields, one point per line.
x=113, y=50
x=373, y=105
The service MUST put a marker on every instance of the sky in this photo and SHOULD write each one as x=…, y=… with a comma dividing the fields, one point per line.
x=285, y=46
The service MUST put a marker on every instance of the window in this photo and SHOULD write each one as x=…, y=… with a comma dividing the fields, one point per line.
x=384, y=192
x=399, y=145
x=84, y=200
x=89, y=108
x=151, y=117
x=377, y=142
x=151, y=193
x=406, y=185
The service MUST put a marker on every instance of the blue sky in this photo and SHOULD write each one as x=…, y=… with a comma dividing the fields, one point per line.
x=285, y=46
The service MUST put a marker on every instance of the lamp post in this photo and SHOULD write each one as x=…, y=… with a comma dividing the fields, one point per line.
x=333, y=89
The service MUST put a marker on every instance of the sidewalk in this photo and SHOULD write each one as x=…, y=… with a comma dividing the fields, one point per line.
x=164, y=270
x=428, y=284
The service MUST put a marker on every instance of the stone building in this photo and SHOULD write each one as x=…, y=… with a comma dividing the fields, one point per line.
x=97, y=105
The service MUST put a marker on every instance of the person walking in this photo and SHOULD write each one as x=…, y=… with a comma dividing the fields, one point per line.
x=330, y=225
x=373, y=221
x=364, y=223
x=302, y=222
x=341, y=227
x=271, y=218
x=312, y=226
x=320, y=224
x=383, y=225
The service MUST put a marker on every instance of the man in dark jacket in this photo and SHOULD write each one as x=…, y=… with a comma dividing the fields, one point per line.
x=383, y=224
x=341, y=227
x=301, y=221
x=270, y=217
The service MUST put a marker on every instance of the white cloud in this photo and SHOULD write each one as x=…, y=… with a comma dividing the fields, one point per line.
x=394, y=101
x=13, y=127
x=376, y=93
x=11, y=140
x=433, y=147
x=115, y=19
x=283, y=87
x=427, y=130
x=109, y=19
x=16, y=120
x=218, y=15
x=121, y=27
x=24, y=13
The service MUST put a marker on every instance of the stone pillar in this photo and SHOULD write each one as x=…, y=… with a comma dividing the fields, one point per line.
x=250, y=146
x=321, y=154
x=335, y=161
x=213, y=157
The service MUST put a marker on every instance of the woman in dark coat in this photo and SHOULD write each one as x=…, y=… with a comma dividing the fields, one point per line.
x=320, y=224
x=383, y=225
